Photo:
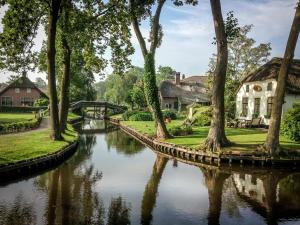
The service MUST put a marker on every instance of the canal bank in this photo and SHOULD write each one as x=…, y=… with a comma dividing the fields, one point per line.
x=114, y=177
x=25, y=153
x=231, y=157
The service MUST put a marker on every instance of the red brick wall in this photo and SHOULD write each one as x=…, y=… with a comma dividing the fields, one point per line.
x=16, y=97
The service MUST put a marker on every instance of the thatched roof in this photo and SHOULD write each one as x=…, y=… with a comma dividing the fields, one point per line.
x=169, y=90
x=196, y=80
x=23, y=82
x=271, y=69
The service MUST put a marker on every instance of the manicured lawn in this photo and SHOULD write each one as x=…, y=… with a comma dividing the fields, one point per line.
x=28, y=145
x=15, y=117
x=243, y=139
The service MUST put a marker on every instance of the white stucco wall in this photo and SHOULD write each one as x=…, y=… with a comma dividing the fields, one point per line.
x=263, y=95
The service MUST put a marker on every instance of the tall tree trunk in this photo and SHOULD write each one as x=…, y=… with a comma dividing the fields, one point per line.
x=151, y=93
x=65, y=82
x=272, y=141
x=216, y=137
x=52, y=23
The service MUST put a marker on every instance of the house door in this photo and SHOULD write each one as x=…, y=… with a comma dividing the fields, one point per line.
x=176, y=105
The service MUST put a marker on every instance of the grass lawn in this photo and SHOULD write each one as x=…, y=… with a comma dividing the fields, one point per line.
x=15, y=117
x=243, y=139
x=29, y=145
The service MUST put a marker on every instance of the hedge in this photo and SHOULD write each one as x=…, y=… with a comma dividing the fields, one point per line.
x=291, y=123
x=181, y=130
x=141, y=116
x=20, y=109
x=169, y=114
x=6, y=128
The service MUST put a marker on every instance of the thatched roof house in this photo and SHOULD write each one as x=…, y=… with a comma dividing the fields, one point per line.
x=256, y=94
x=271, y=70
x=180, y=93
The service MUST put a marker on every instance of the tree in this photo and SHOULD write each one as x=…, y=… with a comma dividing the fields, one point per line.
x=164, y=73
x=272, y=141
x=139, y=11
x=40, y=83
x=21, y=22
x=243, y=57
x=216, y=136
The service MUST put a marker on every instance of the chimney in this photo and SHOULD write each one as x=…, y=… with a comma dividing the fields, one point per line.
x=177, y=78
x=24, y=74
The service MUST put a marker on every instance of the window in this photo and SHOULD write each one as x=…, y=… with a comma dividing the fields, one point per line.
x=245, y=107
x=17, y=90
x=256, y=106
x=270, y=86
x=28, y=90
x=247, y=88
x=27, y=101
x=6, y=101
x=269, y=106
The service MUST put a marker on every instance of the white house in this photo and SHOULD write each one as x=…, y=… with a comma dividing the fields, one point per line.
x=256, y=94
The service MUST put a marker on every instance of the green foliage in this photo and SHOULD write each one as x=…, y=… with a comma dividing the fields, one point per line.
x=127, y=114
x=243, y=57
x=169, y=114
x=19, y=109
x=164, y=73
x=141, y=116
x=19, y=126
x=138, y=97
x=41, y=102
x=181, y=130
x=201, y=115
x=291, y=123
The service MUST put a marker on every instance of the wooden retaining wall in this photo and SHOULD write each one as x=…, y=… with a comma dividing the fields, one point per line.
x=191, y=155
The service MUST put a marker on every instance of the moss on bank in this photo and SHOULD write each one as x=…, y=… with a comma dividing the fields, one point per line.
x=32, y=144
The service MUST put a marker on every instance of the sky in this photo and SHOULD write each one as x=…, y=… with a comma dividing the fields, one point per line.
x=188, y=33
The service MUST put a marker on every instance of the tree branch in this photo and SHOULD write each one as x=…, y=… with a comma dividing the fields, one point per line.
x=138, y=33
x=155, y=26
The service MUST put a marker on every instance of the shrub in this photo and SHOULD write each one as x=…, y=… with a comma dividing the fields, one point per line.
x=201, y=115
x=181, y=130
x=128, y=114
x=41, y=102
x=20, y=109
x=169, y=114
x=141, y=116
x=291, y=123
x=19, y=126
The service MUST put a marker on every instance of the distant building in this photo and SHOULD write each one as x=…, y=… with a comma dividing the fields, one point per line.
x=21, y=92
x=255, y=96
x=179, y=93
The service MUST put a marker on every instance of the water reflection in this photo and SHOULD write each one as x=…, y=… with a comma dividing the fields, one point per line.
x=100, y=184
x=150, y=193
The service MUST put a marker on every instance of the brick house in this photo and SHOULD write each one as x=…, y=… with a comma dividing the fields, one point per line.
x=21, y=92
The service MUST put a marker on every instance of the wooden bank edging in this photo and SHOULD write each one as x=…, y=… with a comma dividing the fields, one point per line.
x=208, y=157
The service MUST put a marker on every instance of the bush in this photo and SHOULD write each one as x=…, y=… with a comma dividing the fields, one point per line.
x=41, y=102
x=141, y=116
x=169, y=114
x=20, y=109
x=127, y=114
x=291, y=123
x=19, y=126
x=201, y=115
x=181, y=130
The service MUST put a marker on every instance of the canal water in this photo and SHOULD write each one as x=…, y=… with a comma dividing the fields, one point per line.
x=114, y=179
